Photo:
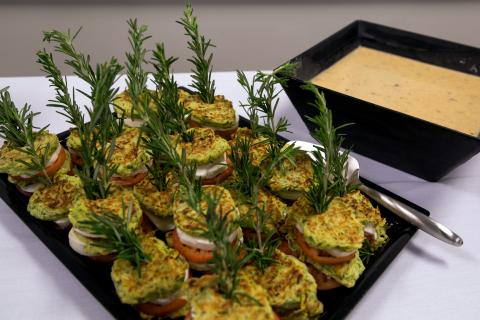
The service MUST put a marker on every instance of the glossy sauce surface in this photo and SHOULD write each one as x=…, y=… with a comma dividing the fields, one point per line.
x=439, y=95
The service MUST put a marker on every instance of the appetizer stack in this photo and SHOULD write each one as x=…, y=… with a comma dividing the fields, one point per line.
x=199, y=218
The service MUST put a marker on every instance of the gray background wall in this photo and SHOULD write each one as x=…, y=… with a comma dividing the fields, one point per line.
x=248, y=34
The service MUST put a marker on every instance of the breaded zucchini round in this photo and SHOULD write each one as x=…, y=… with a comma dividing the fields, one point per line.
x=9, y=156
x=292, y=180
x=205, y=148
x=217, y=115
x=336, y=228
x=53, y=202
x=161, y=278
x=157, y=205
x=292, y=290
x=207, y=303
x=81, y=237
x=375, y=226
x=130, y=157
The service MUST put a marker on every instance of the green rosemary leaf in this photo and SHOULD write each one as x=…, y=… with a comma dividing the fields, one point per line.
x=330, y=162
x=117, y=236
x=202, y=72
x=136, y=76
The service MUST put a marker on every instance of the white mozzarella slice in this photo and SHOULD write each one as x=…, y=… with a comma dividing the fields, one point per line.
x=76, y=244
x=135, y=123
x=213, y=169
x=201, y=243
x=88, y=234
x=162, y=224
x=141, y=170
x=55, y=155
x=369, y=230
x=333, y=252
x=31, y=188
x=339, y=253
x=63, y=223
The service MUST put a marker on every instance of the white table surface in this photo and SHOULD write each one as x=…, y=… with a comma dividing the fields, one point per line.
x=427, y=280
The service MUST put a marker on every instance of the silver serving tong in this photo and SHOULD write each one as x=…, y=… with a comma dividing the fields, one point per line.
x=407, y=213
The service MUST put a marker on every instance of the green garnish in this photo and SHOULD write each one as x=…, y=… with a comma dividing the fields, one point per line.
x=136, y=76
x=116, y=235
x=202, y=72
x=16, y=127
x=97, y=137
x=330, y=162
x=262, y=103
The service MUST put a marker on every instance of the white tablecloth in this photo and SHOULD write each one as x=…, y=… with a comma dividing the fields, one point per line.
x=427, y=280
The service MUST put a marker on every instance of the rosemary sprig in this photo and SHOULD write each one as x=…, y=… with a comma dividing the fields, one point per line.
x=97, y=137
x=250, y=180
x=329, y=156
x=136, y=76
x=172, y=112
x=322, y=191
x=227, y=258
x=202, y=72
x=262, y=103
x=117, y=236
x=16, y=127
x=366, y=252
x=98, y=78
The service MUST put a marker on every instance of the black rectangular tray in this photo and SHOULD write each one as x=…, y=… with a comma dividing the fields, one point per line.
x=413, y=145
x=96, y=276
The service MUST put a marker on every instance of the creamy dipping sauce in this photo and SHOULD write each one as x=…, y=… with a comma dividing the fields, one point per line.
x=439, y=95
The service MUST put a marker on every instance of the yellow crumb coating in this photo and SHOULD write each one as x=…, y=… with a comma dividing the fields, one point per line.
x=45, y=144
x=205, y=147
x=160, y=278
x=259, y=146
x=208, y=303
x=292, y=290
x=219, y=114
x=129, y=154
x=116, y=203
x=368, y=215
x=193, y=223
x=275, y=210
x=295, y=176
x=336, y=228
x=158, y=203
x=53, y=202
x=123, y=106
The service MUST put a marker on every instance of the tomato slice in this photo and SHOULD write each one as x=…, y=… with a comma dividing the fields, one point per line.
x=129, y=180
x=188, y=316
x=285, y=248
x=54, y=167
x=161, y=310
x=218, y=178
x=323, y=282
x=316, y=255
x=50, y=170
x=191, y=254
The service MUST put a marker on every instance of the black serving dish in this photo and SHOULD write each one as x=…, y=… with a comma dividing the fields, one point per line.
x=96, y=276
x=416, y=146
